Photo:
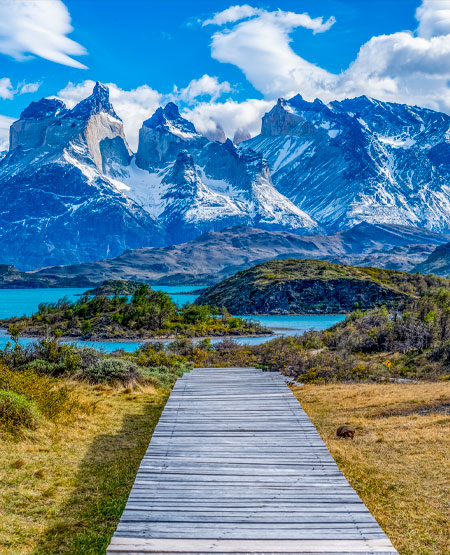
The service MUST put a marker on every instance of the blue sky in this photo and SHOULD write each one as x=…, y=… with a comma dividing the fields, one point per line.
x=223, y=62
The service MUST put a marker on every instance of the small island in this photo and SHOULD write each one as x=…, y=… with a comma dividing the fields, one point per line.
x=292, y=286
x=146, y=315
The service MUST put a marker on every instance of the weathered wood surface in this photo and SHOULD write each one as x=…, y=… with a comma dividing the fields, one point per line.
x=236, y=466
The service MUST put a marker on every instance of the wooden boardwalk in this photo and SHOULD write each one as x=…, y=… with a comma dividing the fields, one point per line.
x=236, y=466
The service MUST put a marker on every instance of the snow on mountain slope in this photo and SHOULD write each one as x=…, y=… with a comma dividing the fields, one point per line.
x=73, y=191
x=192, y=185
x=360, y=160
x=57, y=205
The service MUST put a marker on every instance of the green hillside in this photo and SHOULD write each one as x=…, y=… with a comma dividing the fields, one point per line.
x=315, y=287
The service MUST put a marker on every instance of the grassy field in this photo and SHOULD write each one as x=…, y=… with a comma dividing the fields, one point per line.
x=399, y=461
x=64, y=485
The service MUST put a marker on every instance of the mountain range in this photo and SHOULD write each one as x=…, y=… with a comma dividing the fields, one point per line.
x=216, y=255
x=73, y=191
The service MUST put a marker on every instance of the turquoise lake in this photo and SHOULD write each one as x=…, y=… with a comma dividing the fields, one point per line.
x=19, y=302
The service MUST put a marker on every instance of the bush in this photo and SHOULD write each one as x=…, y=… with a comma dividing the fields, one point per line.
x=44, y=367
x=112, y=369
x=51, y=399
x=16, y=412
x=163, y=376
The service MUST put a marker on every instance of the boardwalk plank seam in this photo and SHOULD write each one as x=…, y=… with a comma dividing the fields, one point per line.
x=236, y=466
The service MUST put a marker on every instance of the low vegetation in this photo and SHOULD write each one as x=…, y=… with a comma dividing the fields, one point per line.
x=74, y=425
x=316, y=287
x=116, y=287
x=408, y=343
x=65, y=484
x=398, y=460
x=147, y=314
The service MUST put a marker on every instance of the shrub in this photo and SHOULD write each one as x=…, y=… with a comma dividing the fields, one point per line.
x=44, y=367
x=51, y=399
x=16, y=412
x=112, y=369
x=163, y=376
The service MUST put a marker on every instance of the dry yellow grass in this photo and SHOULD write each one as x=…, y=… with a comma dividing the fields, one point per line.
x=399, y=461
x=63, y=487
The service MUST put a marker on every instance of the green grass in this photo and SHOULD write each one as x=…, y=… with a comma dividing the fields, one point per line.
x=65, y=485
x=299, y=269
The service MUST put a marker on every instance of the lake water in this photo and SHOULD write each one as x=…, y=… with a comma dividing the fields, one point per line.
x=20, y=302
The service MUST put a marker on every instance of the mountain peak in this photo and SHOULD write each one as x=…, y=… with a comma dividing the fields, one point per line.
x=184, y=160
x=171, y=111
x=96, y=103
x=45, y=107
x=170, y=118
x=183, y=174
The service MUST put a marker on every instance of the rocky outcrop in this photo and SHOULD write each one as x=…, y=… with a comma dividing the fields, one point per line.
x=301, y=287
x=359, y=160
x=163, y=136
x=58, y=204
x=31, y=130
x=309, y=296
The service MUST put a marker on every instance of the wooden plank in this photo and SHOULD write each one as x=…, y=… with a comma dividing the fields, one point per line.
x=236, y=466
x=156, y=545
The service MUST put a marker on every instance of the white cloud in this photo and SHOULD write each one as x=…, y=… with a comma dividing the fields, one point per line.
x=231, y=115
x=5, y=123
x=289, y=20
x=6, y=88
x=411, y=67
x=232, y=14
x=38, y=28
x=7, y=91
x=205, y=86
x=27, y=88
x=434, y=18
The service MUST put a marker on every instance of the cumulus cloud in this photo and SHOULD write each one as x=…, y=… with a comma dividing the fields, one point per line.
x=205, y=86
x=5, y=123
x=38, y=28
x=434, y=18
x=6, y=88
x=231, y=115
x=411, y=67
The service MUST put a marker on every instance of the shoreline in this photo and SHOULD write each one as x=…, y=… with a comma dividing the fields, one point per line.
x=156, y=339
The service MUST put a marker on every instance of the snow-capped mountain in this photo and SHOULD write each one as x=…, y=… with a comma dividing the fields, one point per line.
x=360, y=160
x=192, y=185
x=73, y=191
x=57, y=204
